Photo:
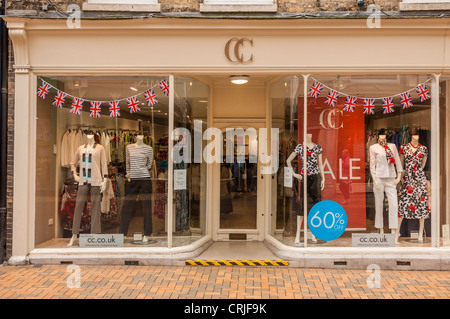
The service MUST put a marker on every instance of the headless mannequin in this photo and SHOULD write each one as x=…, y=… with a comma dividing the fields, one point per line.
x=377, y=186
x=90, y=145
x=415, y=143
x=299, y=177
x=139, y=143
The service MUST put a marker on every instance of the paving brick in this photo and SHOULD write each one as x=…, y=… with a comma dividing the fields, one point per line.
x=115, y=282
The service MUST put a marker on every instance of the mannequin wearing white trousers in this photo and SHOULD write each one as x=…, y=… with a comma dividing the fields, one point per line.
x=310, y=145
x=415, y=142
x=385, y=185
x=90, y=145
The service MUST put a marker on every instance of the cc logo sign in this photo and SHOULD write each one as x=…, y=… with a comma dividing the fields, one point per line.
x=233, y=50
x=331, y=119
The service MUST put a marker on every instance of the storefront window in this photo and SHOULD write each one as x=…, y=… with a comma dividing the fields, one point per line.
x=102, y=160
x=189, y=197
x=368, y=150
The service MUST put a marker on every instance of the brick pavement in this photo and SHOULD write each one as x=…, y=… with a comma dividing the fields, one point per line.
x=215, y=282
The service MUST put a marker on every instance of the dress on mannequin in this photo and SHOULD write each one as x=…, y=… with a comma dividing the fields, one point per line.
x=92, y=180
x=385, y=168
x=315, y=179
x=414, y=194
x=139, y=160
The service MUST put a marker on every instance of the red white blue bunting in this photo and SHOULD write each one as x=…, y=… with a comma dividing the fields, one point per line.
x=95, y=109
x=95, y=106
x=369, y=103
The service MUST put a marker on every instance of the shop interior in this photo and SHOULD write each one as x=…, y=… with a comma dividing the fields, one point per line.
x=61, y=132
x=345, y=134
x=56, y=189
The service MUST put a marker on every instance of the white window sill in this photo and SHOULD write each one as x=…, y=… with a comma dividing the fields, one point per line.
x=121, y=7
x=238, y=8
x=424, y=5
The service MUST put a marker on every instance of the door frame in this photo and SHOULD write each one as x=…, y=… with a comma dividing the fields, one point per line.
x=257, y=234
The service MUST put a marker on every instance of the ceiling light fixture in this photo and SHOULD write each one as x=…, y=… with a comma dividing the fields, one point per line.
x=133, y=88
x=239, y=79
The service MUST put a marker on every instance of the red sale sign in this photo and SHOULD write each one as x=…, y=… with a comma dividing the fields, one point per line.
x=341, y=135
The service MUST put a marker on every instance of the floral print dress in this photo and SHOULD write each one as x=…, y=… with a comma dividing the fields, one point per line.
x=413, y=193
x=312, y=155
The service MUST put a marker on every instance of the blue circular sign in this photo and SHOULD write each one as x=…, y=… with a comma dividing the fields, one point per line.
x=327, y=220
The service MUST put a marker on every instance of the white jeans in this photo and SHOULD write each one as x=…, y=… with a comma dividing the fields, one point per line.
x=387, y=187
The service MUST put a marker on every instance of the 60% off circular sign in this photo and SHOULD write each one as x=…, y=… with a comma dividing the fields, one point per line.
x=327, y=220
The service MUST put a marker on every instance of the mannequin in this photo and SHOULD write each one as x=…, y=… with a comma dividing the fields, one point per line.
x=315, y=171
x=93, y=179
x=413, y=190
x=386, y=169
x=139, y=160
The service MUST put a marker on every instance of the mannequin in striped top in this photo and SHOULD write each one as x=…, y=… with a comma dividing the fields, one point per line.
x=139, y=160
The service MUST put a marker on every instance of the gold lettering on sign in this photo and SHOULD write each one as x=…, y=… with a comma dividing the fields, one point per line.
x=233, y=50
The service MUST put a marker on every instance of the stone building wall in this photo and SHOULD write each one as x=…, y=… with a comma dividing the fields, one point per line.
x=284, y=6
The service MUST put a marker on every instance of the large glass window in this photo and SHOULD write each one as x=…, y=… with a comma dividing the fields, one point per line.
x=368, y=149
x=103, y=158
x=189, y=197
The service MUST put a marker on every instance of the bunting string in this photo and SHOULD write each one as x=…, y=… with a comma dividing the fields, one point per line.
x=369, y=103
x=95, y=105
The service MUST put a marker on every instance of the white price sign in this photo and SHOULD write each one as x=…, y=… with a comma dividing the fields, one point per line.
x=179, y=179
x=288, y=175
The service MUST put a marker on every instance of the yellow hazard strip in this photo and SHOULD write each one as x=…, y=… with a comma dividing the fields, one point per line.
x=237, y=263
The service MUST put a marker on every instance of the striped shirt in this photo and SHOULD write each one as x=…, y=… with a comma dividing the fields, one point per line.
x=139, y=160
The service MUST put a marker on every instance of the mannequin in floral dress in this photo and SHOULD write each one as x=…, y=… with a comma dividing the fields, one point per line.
x=413, y=194
x=315, y=178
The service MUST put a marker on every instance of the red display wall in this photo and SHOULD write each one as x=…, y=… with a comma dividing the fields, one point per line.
x=341, y=134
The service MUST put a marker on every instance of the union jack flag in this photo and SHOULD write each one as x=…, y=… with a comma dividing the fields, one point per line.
x=43, y=90
x=133, y=104
x=350, y=103
x=59, y=99
x=95, y=109
x=369, y=106
x=332, y=98
x=164, y=87
x=423, y=92
x=150, y=97
x=77, y=106
x=405, y=100
x=315, y=89
x=114, y=109
x=388, y=105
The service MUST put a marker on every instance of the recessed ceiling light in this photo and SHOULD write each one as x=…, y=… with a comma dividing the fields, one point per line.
x=133, y=88
x=239, y=79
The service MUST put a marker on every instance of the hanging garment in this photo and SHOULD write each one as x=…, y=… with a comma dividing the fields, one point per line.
x=413, y=194
x=139, y=160
x=105, y=142
x=143, y=188
x=161, y=196
x=312, y=155
x=386, y=187
x=92, y=161
x=67, y=208
x=107, y=195
x=313, y=193
x=379, y=164
x=95, y=200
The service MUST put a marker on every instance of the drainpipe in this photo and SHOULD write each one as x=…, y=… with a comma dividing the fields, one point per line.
x=3, y=129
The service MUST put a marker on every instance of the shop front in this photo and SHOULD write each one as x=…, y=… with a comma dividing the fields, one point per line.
x=132, y=143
